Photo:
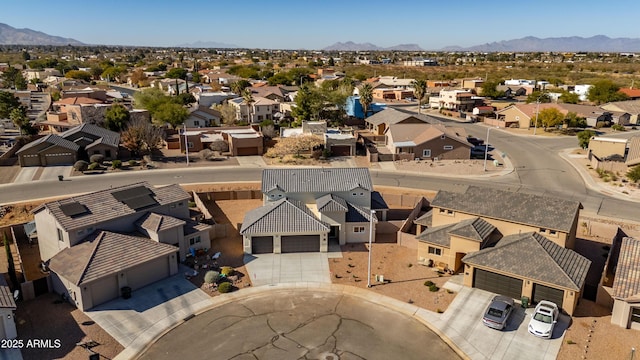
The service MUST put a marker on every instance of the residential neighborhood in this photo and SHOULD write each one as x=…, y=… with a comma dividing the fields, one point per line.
x=486, y=202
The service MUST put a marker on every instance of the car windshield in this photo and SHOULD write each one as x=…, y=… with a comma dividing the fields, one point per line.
x=543, y=318
x=495, y=312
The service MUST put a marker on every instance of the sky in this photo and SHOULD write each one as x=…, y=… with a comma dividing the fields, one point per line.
x=305, y=24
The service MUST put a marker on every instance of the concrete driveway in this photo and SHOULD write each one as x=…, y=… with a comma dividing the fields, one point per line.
x=461, y=322
x=266, y=269
x=150, y=310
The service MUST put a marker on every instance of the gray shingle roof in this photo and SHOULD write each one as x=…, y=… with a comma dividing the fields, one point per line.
x=52, y=140
x=627, y=280
x=540, y=211
x=157, y=222
x=425, y=219
x=318, y=180
x=331, y=203
x=357, y=213
x=102, y=206
x=283, y=216
x=438, y=235
x=534, y=256
x=106, y=253
x=98, y=133
x=474, y=229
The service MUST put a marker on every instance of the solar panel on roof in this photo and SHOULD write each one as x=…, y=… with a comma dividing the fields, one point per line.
x=136, y=191
x=73, y=209
x=140, y=202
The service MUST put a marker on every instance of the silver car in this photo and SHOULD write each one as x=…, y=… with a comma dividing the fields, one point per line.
x=498, y=312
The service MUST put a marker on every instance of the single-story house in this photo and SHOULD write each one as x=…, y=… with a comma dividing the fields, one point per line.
x=426, y=141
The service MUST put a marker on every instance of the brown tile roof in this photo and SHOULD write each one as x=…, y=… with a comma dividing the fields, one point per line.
x=102, y=206
x=157, y=222
x=632, y=93
x=106, y=253
x=77, y=100
x=422, y=133
x=627, y=280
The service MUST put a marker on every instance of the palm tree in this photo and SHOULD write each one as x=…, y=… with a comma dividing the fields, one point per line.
x=366, y=97
x=419, y=90
x=247, y=97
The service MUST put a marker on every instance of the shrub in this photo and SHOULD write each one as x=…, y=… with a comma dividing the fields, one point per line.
x=439, y=311
x=225, y=287
x=96, y=158
x=92, y=166
x=434, y=288
x=326, y=153
x=81, y=165
x=116, y=164
x=428, y=283
x=211, y=276
x=227, y=270
x=133, y=163
x=617, y=127
x=205, y=154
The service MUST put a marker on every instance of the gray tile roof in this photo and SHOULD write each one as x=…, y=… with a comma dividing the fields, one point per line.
x=102, y=206
x=106, y=253
x=193, y=227
x=6, y=297
x=425, y=219
x=316, y=180
x=394, y=116
x=633, y=156
x=438, y=235
x=158, y=222
x=626, y=283
x=331, y=203
x=96, y=132
x=357, y=213
x=283, y=216
x=51, y=140
x=535, y=210
x=474, y=229
x=534, y=256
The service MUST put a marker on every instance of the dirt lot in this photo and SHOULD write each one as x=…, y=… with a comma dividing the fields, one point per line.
x=453, y=167
x=404, y=278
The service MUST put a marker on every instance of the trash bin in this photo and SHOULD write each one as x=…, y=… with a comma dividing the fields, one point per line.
x=125, y=292
x=525, y=302
x=60, y=177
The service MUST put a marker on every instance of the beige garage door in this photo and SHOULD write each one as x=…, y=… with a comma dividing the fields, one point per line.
x=30, y=160
x=59, y=159
x=104, y=290
x=147, y=273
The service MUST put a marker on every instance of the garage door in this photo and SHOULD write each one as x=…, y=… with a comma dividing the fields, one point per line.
x=104, y=290
x=30, y=160
x=496, y=283
x=59, y=159
x=248, y=151
x=341, y=150
x=262, y=244
x=300, y=243
x=147, y=273
x=541, y=292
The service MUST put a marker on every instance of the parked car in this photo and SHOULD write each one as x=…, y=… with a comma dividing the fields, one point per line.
x=544, y=319
x=498, y=311
x=475, y=141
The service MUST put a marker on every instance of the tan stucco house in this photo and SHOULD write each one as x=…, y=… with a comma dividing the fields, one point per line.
x=625, y=291
x=129, y=236
x=505, y=242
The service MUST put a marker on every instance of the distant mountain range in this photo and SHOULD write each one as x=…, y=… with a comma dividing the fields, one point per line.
x=351, y=46
x=207, y=44
x=574, y=43
x=12, y=36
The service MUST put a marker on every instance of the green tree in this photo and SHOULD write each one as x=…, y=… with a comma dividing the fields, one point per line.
x=26, y=56
x=19, y=117
x=604, y=91
x=112, y=73
x=12, y=78
x=366, y=97
x=228, y=113
x=8, y=102
x=78, y=74
x=176, y=73
x=195, y=77
x=538, y=96
x=238, y=86
x=550, y=117
x=309, y=103
x=116, y=117
x=247, y=98
x=584, y=137
x=170, y=113
x=573, y=120
x=149, y=99
x=634, y=173
x=569, y=98
x=490, y=89
x=419, y=90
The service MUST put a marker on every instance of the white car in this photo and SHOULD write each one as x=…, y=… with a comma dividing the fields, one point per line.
x=544, y=319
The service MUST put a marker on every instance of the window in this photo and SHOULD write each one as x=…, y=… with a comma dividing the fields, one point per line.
x=180, y=204
x=196, y=123
x=354, y=194
x=635, y=314
x=552, y=232
x=435, y=251
x=259, y=117
x=190, y=145
x=195, y=240
x=60, y=236
x=443, y=136
x=448, y=147
x=358, y=229
x=361, y=194
x=426, y=153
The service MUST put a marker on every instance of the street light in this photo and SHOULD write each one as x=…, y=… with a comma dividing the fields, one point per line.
x=486, y=149
x=186, y=143
x=535, y=124
x=373, y=213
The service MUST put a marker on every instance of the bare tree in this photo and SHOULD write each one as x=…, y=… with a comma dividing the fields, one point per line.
x=141, y=137
x=295, y=145
x=219, y=145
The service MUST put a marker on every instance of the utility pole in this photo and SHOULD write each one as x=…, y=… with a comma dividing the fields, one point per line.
x=186, y=142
